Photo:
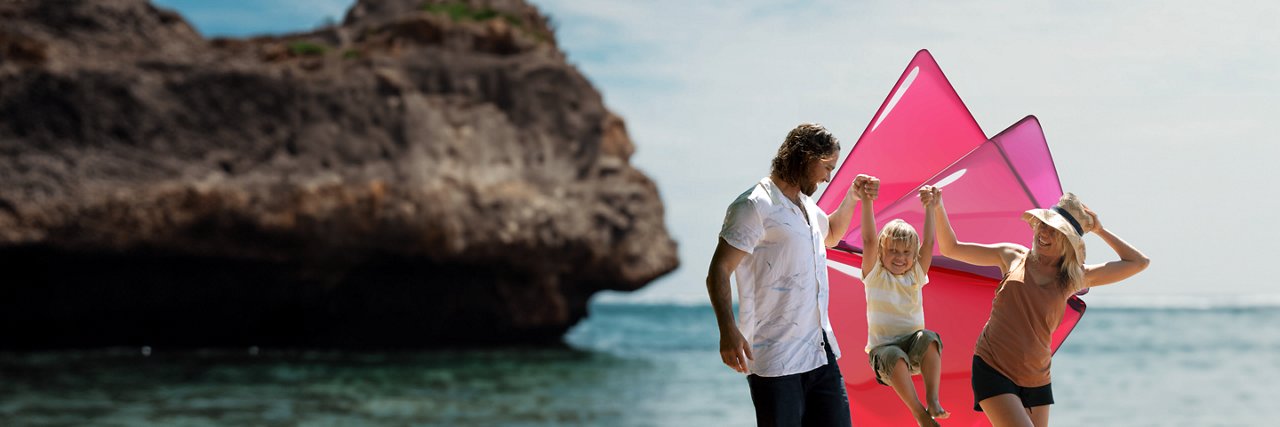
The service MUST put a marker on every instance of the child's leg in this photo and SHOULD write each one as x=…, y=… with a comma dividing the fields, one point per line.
x=900, y=380
x=931, y=367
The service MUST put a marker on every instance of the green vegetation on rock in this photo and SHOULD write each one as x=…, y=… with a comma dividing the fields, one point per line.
x=460, y=11
x=304, y=48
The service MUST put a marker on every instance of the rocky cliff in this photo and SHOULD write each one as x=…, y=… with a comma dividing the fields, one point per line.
x=424, y=174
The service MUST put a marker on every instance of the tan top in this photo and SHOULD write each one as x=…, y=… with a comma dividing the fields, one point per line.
x=1016, y=339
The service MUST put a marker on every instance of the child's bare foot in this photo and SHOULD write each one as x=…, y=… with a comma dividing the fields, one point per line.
x=924, y=420
x=936, y=411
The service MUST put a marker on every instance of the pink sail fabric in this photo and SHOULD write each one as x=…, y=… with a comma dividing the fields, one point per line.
x=923, y=134
x=985, y=192
x=983, y=196
x=922, y=127
x=1025, y=147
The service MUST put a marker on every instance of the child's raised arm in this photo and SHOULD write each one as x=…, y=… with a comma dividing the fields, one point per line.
x=928, y=197
x=867, y=192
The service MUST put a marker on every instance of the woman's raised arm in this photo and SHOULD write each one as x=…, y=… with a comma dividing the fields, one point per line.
x=999, y=254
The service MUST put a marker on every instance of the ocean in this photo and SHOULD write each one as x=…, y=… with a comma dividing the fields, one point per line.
x=626, y=365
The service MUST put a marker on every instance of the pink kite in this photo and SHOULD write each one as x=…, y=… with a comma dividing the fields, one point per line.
x=924, y=135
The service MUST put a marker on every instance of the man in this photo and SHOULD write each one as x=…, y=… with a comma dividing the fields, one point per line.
x=774, y=241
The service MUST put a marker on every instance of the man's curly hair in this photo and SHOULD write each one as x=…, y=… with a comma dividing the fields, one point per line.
x=804, y=144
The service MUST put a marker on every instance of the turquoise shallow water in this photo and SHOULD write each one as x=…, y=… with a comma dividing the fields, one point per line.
x=1215, y=367
x=628, y=365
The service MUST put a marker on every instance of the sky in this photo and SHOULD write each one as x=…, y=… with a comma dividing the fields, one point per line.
x=1158, y=114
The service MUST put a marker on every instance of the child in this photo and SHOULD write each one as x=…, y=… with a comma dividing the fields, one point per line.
x=893, y=269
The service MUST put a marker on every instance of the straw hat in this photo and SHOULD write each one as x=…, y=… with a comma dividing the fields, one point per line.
x=1065, y=222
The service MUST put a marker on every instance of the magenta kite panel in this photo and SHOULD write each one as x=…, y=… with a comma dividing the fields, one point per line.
x=922, y=111
x=924, y=135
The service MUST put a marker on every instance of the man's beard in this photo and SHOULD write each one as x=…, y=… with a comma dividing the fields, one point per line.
x=809, y=188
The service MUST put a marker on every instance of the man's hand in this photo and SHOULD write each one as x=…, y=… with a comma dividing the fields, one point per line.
x=735, y=350
x=856, y=187
x=870, y=187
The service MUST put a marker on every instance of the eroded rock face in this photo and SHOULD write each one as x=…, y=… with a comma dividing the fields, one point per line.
x=424, y=174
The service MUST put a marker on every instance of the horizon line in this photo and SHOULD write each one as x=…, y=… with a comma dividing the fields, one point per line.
x=1156, y=302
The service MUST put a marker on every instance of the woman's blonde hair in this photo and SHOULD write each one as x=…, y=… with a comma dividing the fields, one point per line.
x=899, y=231
x=1072, y=269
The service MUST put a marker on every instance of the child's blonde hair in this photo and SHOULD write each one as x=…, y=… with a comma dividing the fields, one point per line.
x=899, y=231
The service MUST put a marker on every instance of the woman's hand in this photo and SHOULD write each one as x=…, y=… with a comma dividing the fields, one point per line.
x=1097, y=224
x=1131, y=260
x=929, y=196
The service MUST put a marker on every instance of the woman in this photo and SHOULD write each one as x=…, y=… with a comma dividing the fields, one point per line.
x=1012, y=355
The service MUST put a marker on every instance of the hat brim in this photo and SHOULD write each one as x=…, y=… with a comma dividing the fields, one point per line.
x=1055, y=220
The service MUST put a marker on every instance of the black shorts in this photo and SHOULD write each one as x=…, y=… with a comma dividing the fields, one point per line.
x=988, y=382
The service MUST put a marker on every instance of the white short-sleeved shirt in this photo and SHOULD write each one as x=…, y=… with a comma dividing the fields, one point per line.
x=895, y=304
x=782, y=282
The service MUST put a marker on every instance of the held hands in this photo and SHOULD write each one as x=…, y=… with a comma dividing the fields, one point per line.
x=856, y=188
x=930, y=196
x=865, y=187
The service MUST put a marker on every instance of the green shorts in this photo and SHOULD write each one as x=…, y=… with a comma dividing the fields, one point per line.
x=910, y=348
